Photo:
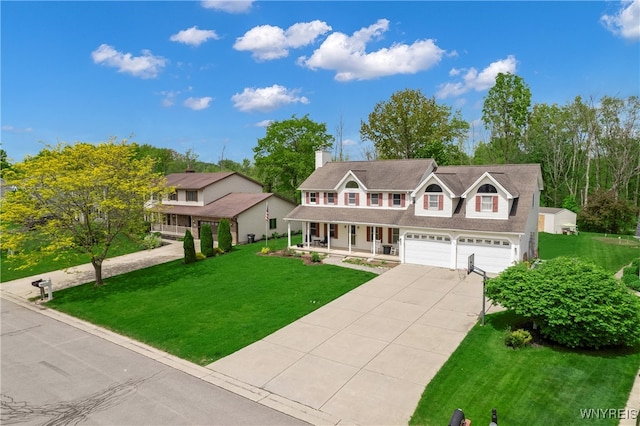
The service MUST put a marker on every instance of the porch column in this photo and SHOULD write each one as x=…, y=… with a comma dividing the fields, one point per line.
x=373, y=243
x=308, y=237
x=349, y=236
x=288, y=234
x=329, y=236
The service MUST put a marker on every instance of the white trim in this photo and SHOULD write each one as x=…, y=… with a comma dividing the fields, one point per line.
x=480, y=179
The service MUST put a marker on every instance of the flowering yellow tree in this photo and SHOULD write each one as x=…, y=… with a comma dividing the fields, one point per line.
x=78, y=197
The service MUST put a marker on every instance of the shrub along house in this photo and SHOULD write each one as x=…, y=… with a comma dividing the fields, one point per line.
x=210, y=197
x=418, y=212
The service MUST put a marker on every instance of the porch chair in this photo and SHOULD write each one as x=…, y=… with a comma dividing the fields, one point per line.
x=378, y=246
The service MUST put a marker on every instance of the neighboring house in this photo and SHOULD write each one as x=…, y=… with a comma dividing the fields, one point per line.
x=422, y=213
x=209, y=197
x=556, y=220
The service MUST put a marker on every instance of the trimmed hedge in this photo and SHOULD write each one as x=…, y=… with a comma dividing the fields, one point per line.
x=189, y=248
x=225, y=240
x=630, y=275
x=206, y=240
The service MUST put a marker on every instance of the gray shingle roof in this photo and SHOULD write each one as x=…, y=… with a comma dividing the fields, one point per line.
x=229, y=206
x=386, y=175
x=550, y=210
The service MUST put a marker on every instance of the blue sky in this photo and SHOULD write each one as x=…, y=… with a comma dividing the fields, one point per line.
x=209, y=76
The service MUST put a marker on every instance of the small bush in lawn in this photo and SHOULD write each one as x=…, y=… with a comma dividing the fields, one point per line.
x=630, y=275
x=518, y=338
x=575, y=303
x=265, y=250
x=189, y=248
x=217, y=251
x=206, y=240
x=275, y=235
x=315, y=257
x=151, y=241
x=200, y=256
x=287, y=252
x=225, y=240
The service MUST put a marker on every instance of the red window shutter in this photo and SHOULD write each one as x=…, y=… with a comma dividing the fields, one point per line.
x=368, y=233
x=440, y=202
x=335, y=230
x=478, y=202
x=380, y=202
x=390, y=199
x=380, y=232
x=402, y=196
x=307, y=197
x=325, y=198
x=317, y=229
x=357, y=199
x=425, y=202
x=390, y=235
x=346, y=199
x=495, y=203
x=368, y=199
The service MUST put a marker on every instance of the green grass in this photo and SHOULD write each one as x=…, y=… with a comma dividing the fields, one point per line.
x=540, y=385
x=51, y=262
x=611, y=252
x=209, y=309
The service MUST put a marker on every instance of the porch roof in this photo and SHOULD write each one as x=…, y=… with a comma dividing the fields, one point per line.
x=374, y=216
x=229, y=206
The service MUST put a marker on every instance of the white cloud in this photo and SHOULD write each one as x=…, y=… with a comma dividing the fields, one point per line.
x=267, y=98
x=193, y=36
x=267, y=42
x=478, y=81
x=11, y=129
x=198, y=104
x=263, y=123
x=626, y=22
x=349, y=142
x=348, y=57
x=145, y=66
x=229, y=6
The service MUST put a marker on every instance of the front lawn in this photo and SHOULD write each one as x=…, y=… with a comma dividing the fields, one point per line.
x=48, y=262
x=209, y=309
x=541, y=385
x=611, y=252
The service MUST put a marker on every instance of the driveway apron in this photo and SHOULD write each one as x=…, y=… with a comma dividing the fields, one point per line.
x=366, y=357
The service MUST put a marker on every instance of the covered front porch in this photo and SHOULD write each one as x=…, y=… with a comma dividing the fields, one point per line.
x=349, y=239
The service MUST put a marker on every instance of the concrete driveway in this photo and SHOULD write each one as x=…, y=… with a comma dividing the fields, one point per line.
x=366, y=357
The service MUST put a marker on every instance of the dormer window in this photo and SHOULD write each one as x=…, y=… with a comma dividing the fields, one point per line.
x=352, y=184
x=487, y=203
x=433, y=198
x=313, y=197
x=352, y=199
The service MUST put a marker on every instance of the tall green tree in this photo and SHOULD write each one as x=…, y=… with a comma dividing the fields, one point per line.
x=78, y=197
x=410, y=125
x=4, y=162
x=506, y=113
x=606, y=212
x=286, y=155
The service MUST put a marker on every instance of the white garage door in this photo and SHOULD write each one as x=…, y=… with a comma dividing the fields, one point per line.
x=491, y=255
x=431, y=250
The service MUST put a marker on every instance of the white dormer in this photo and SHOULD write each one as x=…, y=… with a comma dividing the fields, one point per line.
x=433, y=198
x=489, y=198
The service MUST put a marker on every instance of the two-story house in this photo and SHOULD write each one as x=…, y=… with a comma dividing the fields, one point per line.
x=422, y=213
x=209, y=197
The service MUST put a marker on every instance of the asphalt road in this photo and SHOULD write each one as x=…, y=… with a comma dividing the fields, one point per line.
x=54, y=374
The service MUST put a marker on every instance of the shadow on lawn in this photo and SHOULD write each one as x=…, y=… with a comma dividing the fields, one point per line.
x=501, y=321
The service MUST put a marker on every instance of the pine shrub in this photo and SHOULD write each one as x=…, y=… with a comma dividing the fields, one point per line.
x=206, y=240
x=225, y=240
x=189, y=248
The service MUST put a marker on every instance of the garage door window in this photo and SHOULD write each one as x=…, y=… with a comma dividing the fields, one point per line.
x=485, y=242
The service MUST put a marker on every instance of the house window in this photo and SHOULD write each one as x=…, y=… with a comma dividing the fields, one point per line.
x=433, y=201
x=333, y=230
x=173, y=196
x=313, y=197
x=375, y=199
x=397, y=200
x=314, y=229
x=433, y=188
x=395, y=235
x=486, y=204
x=192, y=195
x=331, y=198
x=375, y=233
x=273, y=223
x=352, y=184
x=487, y=188
x=351, y=200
